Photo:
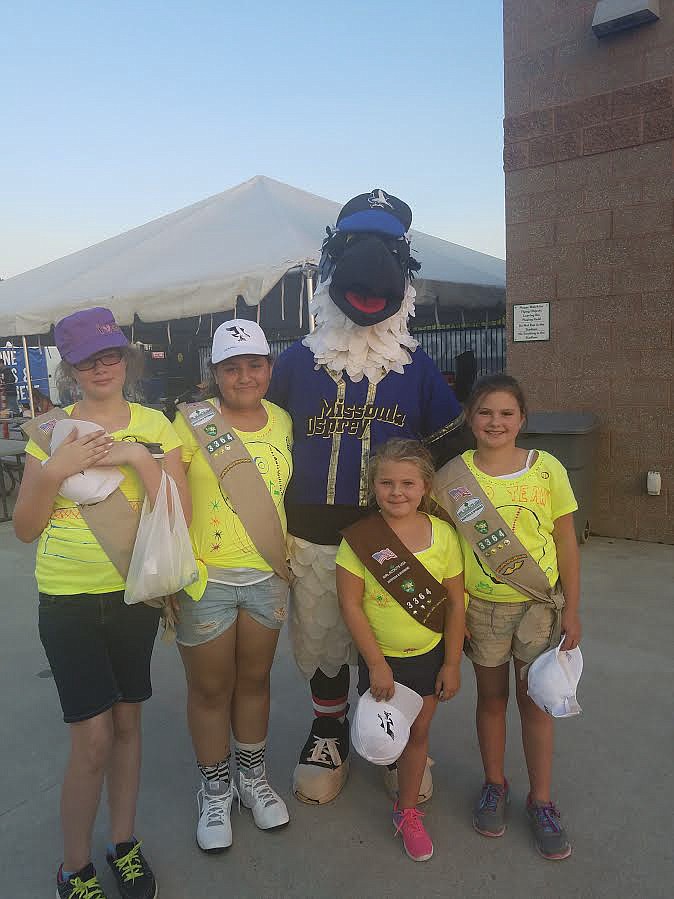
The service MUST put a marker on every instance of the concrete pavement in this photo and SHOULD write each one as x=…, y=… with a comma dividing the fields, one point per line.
x=613, y=770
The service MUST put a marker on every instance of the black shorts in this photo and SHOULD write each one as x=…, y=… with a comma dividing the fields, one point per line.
x=416, y=672
x=98, y=649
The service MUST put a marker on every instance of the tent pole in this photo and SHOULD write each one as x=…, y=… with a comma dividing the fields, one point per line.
x=310, y=295
x=29, y=382
x=301, y=297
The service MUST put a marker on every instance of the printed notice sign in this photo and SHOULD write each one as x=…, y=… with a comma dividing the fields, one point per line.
x=531, y=321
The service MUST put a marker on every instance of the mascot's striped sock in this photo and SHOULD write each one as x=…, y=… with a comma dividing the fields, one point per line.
x=218, y=772
x=249, y=757
x=329, y=695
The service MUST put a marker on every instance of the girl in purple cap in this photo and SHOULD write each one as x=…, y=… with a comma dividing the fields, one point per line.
x=98, y=647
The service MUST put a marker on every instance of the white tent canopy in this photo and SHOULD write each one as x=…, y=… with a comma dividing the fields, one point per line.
x=201, y=258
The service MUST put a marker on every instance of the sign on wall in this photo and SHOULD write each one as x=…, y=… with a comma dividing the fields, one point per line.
x=531, y=322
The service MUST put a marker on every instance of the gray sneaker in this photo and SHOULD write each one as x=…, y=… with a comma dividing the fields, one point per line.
x=489, y=814
x=549, y=834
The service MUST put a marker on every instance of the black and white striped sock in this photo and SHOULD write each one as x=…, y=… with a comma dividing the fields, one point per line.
x=218, y=772
x=249, y=757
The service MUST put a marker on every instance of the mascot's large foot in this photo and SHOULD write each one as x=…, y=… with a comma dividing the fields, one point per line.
x=324, y=762
x=425, y=790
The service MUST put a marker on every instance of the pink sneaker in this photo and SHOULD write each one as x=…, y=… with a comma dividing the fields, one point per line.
x=418, y=845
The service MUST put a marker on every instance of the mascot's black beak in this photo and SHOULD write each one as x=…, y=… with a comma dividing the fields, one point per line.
x=368, y=281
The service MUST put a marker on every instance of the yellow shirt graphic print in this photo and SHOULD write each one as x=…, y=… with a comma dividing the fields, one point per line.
x=530, y=505
x=218, y=537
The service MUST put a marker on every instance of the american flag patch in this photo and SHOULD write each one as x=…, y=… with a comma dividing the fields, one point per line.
x=459, y=493
x=384, y=555
x=47, y=426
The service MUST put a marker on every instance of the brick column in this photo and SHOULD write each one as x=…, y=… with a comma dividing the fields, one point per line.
x=589, y=161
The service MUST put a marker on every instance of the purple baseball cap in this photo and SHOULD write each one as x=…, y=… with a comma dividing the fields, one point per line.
x=84, y=333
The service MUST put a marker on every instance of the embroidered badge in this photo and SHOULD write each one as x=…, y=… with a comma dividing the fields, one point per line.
x=491, y=540
x=223, y=440
x=383, y=555
x=47, y=426
x=459, y=493
x=470, y=509
x=510, y=566
x=408, y=586
x=201, y=416
x=482, y=526
x=211, y=430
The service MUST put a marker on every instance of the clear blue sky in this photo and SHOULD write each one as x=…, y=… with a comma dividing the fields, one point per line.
x=114, y=113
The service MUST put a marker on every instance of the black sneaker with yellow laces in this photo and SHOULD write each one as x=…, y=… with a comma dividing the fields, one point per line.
x=83, y=884
x=134, y=876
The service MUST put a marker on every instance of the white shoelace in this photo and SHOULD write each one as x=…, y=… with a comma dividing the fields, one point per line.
x=262, y=791
x=217, y=807
x=325, y=750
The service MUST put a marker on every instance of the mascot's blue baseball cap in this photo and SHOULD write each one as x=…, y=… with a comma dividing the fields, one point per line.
x=376, y=213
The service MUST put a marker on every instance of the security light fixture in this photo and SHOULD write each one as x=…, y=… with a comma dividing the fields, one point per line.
x=611, y=16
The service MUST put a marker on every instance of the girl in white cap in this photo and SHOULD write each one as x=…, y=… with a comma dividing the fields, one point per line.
x=394, y=646
x=229, y=621
x=98, y=647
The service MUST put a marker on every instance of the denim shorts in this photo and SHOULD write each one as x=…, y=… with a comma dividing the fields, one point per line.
x=202, y=621
x=98, y=649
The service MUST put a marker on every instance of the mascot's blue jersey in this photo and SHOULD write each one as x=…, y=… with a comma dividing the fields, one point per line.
x=337, y=423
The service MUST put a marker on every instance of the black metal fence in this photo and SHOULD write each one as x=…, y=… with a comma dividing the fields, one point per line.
x=445, y=343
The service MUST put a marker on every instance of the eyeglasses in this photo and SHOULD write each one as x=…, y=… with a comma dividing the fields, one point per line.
x=109, y=357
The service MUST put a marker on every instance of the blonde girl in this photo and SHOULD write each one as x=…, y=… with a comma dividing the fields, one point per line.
x=392, y=645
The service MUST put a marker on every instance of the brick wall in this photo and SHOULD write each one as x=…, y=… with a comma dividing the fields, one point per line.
x=589, y=162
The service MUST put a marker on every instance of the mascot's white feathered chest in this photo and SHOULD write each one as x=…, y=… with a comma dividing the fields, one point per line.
x=360, y=351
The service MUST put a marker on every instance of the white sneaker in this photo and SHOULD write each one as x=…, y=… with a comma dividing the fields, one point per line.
x=269, y=810
x=214, y=829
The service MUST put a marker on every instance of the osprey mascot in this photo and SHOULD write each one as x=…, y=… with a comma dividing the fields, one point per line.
x=358, y=380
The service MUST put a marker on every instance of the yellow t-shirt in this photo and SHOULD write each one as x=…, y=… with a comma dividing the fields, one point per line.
x=396, y=632
x=70, y=560
x=218, y=537
x=530, y=504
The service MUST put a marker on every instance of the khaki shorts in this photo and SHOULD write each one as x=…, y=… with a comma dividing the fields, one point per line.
x=499, y=630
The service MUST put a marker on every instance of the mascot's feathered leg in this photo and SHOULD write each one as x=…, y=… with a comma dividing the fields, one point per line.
x=323, y=651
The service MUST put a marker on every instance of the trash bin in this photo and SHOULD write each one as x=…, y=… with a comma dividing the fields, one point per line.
x=572, y=437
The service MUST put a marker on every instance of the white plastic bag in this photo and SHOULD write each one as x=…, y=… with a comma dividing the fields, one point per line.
x=162, y=561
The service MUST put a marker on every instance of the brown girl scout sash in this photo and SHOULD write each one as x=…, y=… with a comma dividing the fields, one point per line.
x=239, y=477
x=458, y=491
x=113, y=521
x=398, y=570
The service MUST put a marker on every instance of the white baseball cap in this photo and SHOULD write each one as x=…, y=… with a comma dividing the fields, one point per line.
x=381, y=729
x=553, y=679
x=94, y=484
x=238, y=337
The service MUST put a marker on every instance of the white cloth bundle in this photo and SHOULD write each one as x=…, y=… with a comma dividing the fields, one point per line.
x=93, y=485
